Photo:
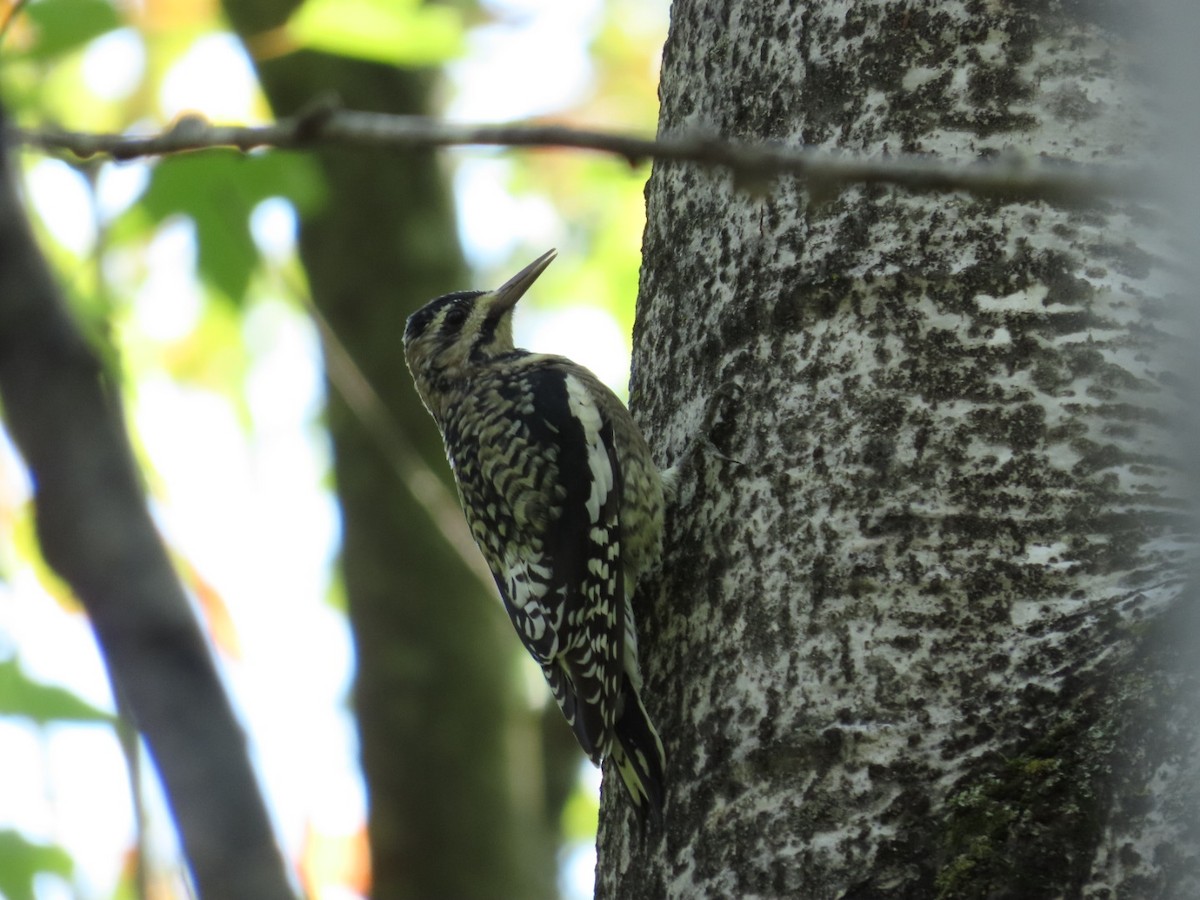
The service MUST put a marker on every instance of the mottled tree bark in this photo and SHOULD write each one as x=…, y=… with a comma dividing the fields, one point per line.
x=450, y=753
x=917, y=630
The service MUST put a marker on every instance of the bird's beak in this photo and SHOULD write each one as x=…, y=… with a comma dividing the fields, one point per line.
x=506, y=296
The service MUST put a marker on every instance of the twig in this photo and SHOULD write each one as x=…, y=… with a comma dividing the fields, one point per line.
x=414, y=473
x=1008, y=177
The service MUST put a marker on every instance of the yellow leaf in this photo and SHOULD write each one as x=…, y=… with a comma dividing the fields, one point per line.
x=29, y=551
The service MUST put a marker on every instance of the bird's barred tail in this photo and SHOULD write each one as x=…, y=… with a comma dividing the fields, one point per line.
x=637, y=752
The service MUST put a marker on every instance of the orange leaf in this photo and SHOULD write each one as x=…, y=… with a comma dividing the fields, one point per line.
x=341, y=860
x=213, y=608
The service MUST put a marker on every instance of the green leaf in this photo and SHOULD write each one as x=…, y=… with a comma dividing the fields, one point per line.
x=21, y=860
x=218, y=191
x=400, y=32
x=42, y=703
x=63, y=25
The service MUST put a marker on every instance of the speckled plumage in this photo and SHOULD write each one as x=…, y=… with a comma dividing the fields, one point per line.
x=562, y=497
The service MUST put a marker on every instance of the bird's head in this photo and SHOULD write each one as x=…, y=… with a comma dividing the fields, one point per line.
x=447, y=337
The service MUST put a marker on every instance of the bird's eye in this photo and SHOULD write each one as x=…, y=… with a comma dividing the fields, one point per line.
x=455, y=318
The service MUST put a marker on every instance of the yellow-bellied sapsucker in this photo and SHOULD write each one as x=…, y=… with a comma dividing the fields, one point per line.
x=563, y=499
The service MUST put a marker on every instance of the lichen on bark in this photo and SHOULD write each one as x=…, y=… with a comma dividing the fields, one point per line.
x=913, y=633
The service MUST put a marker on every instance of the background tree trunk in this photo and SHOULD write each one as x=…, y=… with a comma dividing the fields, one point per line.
x=458, y=804
x=917, y=630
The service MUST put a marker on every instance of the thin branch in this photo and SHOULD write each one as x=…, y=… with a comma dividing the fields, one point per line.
x=1007, y=178
x=410, y=468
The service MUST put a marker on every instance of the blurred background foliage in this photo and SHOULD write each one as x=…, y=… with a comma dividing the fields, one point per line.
x=186, y=273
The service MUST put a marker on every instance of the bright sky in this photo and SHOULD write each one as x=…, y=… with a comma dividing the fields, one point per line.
x=251, y=511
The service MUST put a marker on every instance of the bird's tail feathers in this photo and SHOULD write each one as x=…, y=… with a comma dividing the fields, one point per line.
x=637, y=752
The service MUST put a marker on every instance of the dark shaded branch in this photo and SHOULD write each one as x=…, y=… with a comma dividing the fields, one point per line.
x=95, y=531
x=1006, y=178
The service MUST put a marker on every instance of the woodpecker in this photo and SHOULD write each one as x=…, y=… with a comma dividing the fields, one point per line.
x=564, y=501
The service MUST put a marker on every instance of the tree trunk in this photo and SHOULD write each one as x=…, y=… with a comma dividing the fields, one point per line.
x=450, y=755
x=916, y=633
